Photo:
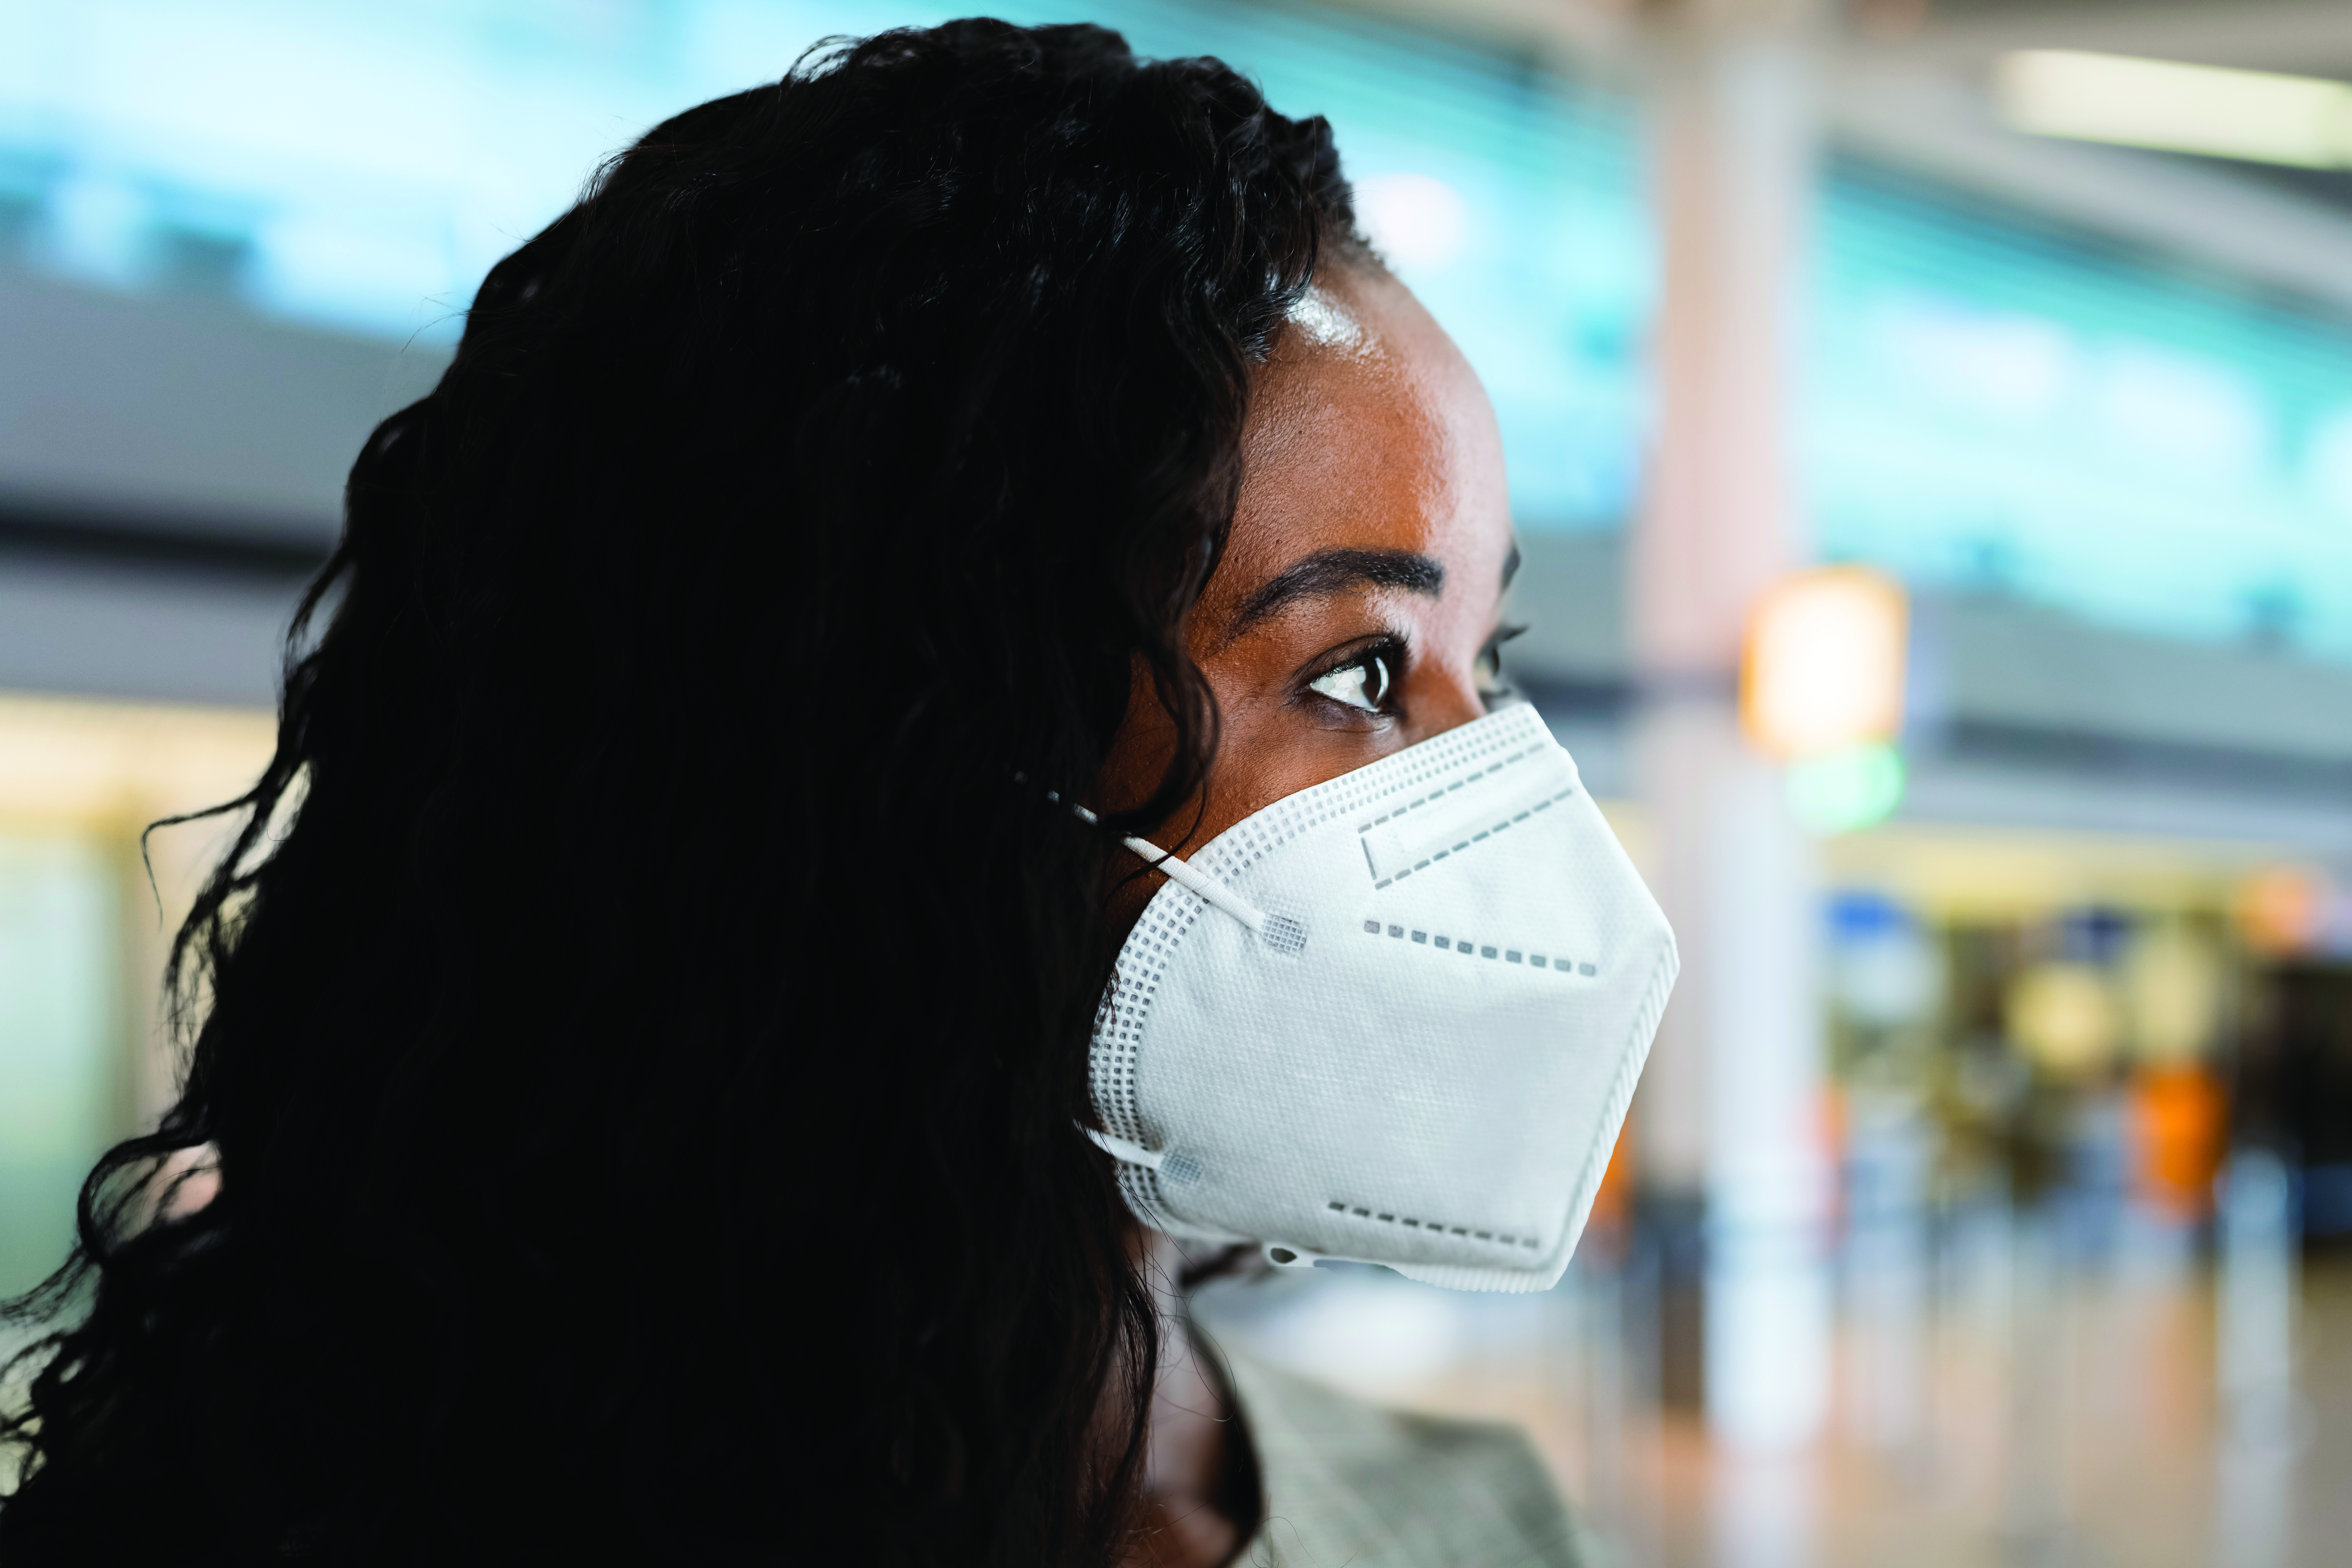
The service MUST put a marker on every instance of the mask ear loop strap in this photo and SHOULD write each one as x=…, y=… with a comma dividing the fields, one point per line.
x=1209, y=891
x=1207, y=888
x=1126, y=1149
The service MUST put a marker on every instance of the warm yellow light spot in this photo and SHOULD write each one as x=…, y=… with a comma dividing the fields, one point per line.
x=2065, y=1019
x=1824, y=668
x=2172, y=993
x=2258, y=116
x=64, y=760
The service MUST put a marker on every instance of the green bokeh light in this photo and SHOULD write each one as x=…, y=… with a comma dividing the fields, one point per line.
x=1851, y=787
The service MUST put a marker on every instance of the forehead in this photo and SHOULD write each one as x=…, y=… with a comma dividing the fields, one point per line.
x=1369, y=430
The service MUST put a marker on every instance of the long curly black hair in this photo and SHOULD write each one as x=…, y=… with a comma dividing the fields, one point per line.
x=640, y=1028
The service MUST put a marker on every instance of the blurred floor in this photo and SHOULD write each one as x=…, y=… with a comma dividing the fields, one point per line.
x=2025, y=1412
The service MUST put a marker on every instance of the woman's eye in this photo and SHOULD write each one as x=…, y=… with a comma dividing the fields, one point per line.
x=1489, y=673
x=1493, y=685
x=1362, y=684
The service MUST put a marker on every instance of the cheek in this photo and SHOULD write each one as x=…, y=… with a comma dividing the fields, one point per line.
x=1142, y=751
x=1269, y=749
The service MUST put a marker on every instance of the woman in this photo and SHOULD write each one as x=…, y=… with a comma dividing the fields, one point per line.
x=639, y=1102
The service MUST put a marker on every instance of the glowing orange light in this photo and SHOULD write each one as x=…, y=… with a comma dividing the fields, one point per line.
x=2181, y=1117
x=1824, y=662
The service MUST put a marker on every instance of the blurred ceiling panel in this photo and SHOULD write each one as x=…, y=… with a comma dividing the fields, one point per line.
x=162, y=414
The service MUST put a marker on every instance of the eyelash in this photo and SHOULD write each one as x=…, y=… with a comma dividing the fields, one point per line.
x=1389, y=655
x=1493, y=686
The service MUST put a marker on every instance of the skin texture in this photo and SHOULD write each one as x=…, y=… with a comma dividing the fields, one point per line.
x=1373, y=523
x=1368, y=433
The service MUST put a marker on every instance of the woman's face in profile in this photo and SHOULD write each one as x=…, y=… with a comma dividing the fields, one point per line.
x=1357, y=608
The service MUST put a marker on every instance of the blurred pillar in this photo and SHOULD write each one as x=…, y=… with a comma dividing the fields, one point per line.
x=2260, y=1236
x=2256, y=1349
x=1731, y=1100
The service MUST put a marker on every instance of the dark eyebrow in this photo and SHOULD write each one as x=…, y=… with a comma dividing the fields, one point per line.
x=1511, y=567
x=1329, y=572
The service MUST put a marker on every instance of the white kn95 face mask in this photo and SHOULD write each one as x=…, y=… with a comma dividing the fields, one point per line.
x=1395, y=1018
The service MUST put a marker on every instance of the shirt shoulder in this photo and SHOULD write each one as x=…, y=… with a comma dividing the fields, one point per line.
x=1349, y=1485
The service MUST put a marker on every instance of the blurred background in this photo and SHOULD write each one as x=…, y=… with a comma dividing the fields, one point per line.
x=1930, y=424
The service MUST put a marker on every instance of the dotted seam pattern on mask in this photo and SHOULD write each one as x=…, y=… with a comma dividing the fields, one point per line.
x=1125, y=1007
x=1141, y=1187
x=1482, y=833
x=1467, y=948
x=1433, y=1226
x=1518, y=727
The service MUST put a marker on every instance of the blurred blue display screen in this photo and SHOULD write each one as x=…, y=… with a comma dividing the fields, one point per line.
x=2004, y=405
x=361, y=165
x=1991, y=401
